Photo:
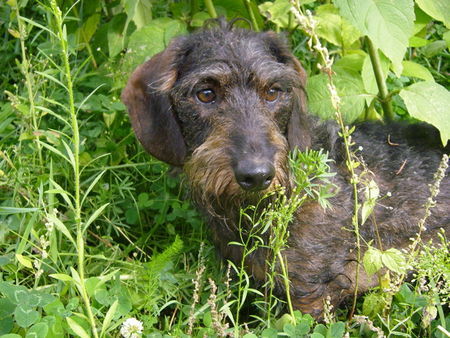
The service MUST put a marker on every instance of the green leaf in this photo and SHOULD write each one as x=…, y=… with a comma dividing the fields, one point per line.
x=140, y=11
x=61, y=227
x=62, y=277
x=77, y=328
x=429, y=102
x=336, y=330
x=446, y=37
x=350, y=89
x=199, y=18
x=351, y=62
x=108, y=317
x=38, y=330
x=94, y=216
x=437, y=9
x=277, y=12
x=434, y=48
x=151, y=39
x=394, y=260
x=372, y=261
x=371, y=195
x=87, y=30
x=25, y=261
x=373, y=304
x=12, y=210
x=414, y=69
x=25, y=317
x=389, y=24
x=334, y=28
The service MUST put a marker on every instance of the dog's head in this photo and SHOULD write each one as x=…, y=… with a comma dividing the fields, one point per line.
x=226, y=104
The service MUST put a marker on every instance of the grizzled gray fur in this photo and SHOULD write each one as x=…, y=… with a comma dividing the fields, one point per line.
x=227, y=105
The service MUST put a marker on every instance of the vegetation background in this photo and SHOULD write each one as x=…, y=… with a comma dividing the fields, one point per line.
x=94, y=232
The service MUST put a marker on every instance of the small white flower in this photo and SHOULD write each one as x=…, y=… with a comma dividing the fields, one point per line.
x=388, y=194
x=131, y=328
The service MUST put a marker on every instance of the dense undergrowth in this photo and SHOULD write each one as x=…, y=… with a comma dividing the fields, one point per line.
x=94, y=232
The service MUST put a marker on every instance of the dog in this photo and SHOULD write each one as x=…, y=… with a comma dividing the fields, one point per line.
x=227, y=105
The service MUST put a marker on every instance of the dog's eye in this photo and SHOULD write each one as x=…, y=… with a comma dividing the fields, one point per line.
x=271, y=94
x=206, y=95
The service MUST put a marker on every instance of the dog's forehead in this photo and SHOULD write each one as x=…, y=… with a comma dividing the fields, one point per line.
x=233, y=46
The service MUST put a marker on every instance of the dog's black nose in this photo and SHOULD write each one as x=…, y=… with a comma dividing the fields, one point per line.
x=253, y=175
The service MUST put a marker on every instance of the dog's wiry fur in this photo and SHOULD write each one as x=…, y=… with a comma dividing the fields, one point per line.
x=241, y=128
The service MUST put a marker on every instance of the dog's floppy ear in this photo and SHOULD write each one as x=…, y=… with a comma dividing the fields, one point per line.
x=298, y=134
x=149, y=107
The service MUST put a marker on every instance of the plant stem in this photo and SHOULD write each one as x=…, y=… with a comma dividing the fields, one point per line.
x=308, y=24
x=210, y=7
x=252, y=15
x=76, y=164
x=28, y=81
x=383, y=92
x=286, y=283
x=194, y=7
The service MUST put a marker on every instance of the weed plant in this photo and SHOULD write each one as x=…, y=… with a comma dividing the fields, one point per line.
x=99, y=240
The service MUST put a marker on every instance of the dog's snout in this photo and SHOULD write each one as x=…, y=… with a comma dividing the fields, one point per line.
x=253, y=175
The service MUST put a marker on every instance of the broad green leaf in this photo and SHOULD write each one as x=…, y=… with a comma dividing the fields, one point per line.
x=394, y=260
x=414, y=69
x=434, y=48
x=337, y=330
x=415, y=41
x=334, y=28
x=277, y=12
x=87, y=30
x=38, y=330
x=140, y=11
x=25, y=317
x=373, y=304
x=437, y=9
x=283, y=320
x=429, y=102
x=372, y=261
x=115, y=34
x=350, y=89
x=446, y=37
x=199, y=18
x=389, y=24
x=151, y=39
x=351, y=62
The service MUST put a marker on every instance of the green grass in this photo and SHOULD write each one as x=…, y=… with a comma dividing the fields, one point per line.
x=94, y=232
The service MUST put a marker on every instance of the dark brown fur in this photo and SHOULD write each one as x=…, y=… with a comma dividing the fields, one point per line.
x=211, y=141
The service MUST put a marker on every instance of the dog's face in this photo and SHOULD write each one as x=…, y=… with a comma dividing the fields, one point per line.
x=224, y=104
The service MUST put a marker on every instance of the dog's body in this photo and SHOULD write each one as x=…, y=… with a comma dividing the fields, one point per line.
x=227, y=105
